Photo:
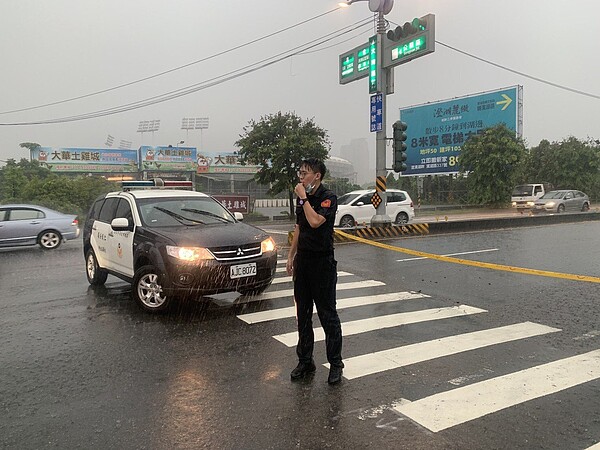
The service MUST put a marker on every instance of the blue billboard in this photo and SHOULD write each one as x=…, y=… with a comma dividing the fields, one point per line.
x=437, y=131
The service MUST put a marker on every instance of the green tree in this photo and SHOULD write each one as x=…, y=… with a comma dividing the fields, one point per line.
x=278, y=143
x=29, y=145
x=12, y=182
x=15, y=176
x=569, y=164
x=492, y=161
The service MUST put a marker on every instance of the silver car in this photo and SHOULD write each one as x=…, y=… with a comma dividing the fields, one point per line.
x=22, y=225
x=561, y=201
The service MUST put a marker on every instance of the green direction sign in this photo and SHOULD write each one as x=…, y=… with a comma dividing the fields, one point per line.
x=373, y=65
x=347, y=67
x=414, y=46
x=354, y=64
x=363, y=59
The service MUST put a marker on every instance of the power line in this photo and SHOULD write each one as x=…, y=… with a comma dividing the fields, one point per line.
x=58, y=102
x=336, y=44
x=205, y=84
x=550, y=83
x=500, y=66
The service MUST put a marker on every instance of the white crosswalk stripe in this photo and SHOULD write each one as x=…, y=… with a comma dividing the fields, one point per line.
x=340, y=287
x=280, y=280
x=360, y=366
x=283, y=313
x=389, y=321
x=447, y=409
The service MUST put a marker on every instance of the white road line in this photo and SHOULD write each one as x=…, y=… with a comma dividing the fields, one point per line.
x=389, y=321
x=288, y=279
x=594, y=447
x=339, y=287
x=351, y=302
x=452, y=254
x=447, y=409
x=281, y=261
x=363, y=365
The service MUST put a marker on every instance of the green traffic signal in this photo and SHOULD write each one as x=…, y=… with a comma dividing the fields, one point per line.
x=417, y=25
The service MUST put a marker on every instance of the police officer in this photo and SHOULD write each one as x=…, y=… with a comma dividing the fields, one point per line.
x=314, y=268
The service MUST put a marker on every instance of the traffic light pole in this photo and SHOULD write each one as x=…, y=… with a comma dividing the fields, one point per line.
x=376, y=60
x=381, y=218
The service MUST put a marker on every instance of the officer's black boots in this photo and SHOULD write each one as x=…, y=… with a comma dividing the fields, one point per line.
x=335, y=375
x=302, y=370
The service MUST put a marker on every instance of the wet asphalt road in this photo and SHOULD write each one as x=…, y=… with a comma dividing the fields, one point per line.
x=84, y=368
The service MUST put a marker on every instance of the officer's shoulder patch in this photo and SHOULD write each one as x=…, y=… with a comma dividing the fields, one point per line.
x=326, y=203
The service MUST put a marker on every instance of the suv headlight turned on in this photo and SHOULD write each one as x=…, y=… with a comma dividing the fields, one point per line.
x=172, y=244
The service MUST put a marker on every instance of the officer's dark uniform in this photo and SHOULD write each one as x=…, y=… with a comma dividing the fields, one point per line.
x=315, y=270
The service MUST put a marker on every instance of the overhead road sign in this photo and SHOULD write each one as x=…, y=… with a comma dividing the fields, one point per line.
x=354, y=64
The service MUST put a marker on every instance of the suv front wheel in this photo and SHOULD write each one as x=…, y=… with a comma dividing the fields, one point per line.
x=147, y=290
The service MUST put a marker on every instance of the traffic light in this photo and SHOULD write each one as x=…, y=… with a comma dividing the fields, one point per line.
x=409, y=41
x=399, y=128
x=418, y=25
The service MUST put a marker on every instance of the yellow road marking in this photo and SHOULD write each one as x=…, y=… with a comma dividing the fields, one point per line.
x=466, y=262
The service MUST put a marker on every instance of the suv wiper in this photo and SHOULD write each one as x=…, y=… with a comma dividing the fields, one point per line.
x=178, y=217
x=206, y=213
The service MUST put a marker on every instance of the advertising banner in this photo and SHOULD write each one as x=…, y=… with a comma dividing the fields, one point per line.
x=222, y=162
x=167, y=159
x=94, y=160
x=437, y=131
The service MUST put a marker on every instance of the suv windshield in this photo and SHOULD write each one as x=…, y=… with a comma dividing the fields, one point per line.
x=347, y=198
x=167, y=212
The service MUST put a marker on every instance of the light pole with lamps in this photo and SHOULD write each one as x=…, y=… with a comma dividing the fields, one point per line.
x=194, y=123
x=146, y=126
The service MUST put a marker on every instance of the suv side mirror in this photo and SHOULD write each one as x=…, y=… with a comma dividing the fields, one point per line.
x=360, y=204
x=238, y=216
x=120, y=224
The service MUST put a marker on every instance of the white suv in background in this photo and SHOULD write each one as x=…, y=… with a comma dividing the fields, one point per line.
x=355, y=208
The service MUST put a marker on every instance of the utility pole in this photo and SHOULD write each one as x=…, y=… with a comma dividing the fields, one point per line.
x=376, y=60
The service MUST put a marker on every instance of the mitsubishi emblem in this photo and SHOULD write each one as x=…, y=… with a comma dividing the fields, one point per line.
x=240, y=252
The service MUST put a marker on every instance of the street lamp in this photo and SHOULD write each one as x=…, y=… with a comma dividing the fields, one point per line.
x=382, y=6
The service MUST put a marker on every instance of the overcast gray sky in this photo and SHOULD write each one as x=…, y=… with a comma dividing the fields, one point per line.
x=59, y=49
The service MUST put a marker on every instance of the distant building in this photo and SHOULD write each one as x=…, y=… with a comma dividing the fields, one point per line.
x=357, y=152
x=340, y=168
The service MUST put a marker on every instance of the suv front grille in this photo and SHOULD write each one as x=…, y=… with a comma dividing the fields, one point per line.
x=236, y=253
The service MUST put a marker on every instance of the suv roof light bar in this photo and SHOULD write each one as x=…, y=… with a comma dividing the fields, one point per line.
x=156, y=183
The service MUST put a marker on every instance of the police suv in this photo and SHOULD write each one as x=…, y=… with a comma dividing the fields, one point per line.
x=173, y=244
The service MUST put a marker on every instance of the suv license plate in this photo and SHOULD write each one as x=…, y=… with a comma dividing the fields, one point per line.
x=242, y=270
